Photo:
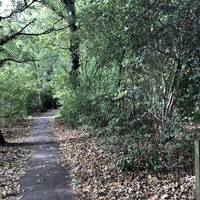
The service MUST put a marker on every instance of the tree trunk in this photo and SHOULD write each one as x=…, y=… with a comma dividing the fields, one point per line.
x=175, y=90
x=74, y=40
x=2, y=141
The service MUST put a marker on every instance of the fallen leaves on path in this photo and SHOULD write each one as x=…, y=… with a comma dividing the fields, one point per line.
x=13, y=159
x=96, y=176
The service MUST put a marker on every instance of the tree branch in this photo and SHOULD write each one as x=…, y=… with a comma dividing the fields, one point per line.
x=44, y=32
x=20, y=32
x=13, y=36
x=3, y=61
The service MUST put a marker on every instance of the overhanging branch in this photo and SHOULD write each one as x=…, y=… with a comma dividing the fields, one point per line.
x=3, y=61
x=44, y=32
x=14, y=35
x=20, y=32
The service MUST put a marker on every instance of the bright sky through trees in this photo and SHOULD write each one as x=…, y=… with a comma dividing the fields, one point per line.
x=5, y=6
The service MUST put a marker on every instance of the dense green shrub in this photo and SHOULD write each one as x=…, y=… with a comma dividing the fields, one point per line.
x=17, y=87
x=138, y=81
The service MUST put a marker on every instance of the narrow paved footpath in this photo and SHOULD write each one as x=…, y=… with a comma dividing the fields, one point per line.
x=45, y=179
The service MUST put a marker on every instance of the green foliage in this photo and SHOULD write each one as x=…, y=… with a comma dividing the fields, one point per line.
x=80, y=109
x=17, y=86
x=139, y=77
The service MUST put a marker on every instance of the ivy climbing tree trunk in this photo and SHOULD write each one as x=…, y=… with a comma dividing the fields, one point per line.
x=74, y=39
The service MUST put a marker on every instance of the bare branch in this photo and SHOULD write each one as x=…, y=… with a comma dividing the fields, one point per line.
x=13, y=36
x=3, y=61
x=44, y=32
x=20, y=32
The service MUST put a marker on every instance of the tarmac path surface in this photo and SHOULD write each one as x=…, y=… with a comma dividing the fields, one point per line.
x=45, y=179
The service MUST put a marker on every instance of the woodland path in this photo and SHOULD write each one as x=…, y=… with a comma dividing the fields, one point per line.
x=44, y=179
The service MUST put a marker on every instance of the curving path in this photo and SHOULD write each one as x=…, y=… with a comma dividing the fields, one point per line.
x=45, y=179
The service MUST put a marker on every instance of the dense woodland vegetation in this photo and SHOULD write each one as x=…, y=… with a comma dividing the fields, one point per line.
x=127, y=70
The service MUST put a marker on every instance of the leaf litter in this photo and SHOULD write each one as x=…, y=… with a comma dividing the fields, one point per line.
x=13, y=158
x=95, y=174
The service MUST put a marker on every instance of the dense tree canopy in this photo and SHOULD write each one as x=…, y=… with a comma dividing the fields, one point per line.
x=127, y=69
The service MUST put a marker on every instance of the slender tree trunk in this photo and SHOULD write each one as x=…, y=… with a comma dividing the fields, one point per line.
x=74, y=40
x=175, y=90
x=2, y=141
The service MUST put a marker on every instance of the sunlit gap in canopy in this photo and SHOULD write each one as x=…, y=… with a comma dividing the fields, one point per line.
x=5, y=7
